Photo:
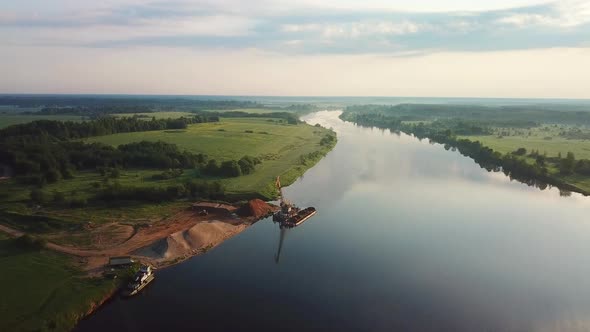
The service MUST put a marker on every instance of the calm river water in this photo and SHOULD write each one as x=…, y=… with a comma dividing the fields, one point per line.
x=408, y=237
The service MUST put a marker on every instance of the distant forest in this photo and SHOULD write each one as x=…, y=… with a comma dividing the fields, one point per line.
x=499, y=116
x=103, y=105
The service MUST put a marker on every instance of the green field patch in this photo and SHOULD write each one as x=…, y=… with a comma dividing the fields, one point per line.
x=552, y=147
x=41, y=290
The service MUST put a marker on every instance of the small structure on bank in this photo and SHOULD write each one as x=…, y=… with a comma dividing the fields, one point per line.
x=120, y=261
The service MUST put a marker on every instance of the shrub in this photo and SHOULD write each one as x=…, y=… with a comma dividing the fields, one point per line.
x=31, y=243
x=59, y=197
x=78, y=202
x=38, y=196
x=519, y=152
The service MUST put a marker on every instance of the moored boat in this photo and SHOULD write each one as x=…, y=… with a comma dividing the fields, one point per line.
x=142, y=278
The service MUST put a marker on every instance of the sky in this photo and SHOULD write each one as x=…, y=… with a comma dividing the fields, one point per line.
x=442, y=48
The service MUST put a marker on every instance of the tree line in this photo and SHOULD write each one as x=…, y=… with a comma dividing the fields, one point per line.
x=50, y=130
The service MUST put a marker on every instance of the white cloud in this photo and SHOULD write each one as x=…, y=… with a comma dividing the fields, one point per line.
x=217, y=25
x=573, y=12
x=524, y=20
x=356, y=29
x=566, y=14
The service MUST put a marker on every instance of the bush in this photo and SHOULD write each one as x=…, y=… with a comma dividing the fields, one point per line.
x=78, y=202
x=30, y=242
x=59, y=197
x=38, y=196
x=169, y=174
x=519, y=152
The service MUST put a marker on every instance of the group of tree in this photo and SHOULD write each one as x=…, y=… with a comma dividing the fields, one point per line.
x=232, y=168
x=328, y=140
x=288, y=117
x=50, y=162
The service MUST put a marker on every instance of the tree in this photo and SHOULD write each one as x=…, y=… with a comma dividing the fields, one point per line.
x=567, y=164
x=59, y=197
x=212, y=168
x=230, y=168
x=52, y=175
x=520, y=152
x=38, y=196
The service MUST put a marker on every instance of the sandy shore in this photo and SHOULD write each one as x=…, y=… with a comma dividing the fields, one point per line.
x=162, y=243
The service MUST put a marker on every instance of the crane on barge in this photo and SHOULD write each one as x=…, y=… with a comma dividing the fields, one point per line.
x=288, y=216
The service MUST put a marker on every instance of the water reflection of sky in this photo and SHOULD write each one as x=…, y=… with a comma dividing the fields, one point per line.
x=384, y=157
x=488, y=251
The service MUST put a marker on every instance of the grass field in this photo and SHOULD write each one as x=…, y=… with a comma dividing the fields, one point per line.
x=580, y=148
x=42, y=291
x=280, y=146
x=544, y=138
x=9, y=120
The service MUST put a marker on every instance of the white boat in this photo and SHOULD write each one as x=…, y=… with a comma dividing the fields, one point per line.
x=142, y=278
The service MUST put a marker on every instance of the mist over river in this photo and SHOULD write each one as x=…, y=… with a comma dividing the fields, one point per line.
x=408, y=237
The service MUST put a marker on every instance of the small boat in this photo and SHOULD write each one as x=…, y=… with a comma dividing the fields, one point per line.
x=142, y=278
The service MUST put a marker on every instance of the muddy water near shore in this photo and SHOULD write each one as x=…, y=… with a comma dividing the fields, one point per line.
x=408, y=237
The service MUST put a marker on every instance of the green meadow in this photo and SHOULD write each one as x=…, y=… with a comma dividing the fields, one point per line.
x=280, y=147
x=553, y=146
x=43, y=291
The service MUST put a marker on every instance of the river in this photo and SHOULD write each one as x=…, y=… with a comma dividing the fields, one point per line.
x=408, y=237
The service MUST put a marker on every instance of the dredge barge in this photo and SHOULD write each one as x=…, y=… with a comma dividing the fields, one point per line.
x=289, y=215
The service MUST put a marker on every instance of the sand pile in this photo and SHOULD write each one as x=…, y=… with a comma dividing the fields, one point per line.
x=190, y=241
x=259, y=208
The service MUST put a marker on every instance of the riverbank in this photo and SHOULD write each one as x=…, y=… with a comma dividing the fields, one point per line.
x=186, y=234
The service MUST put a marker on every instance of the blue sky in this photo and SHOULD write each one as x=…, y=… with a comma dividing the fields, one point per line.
x=37, y=33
